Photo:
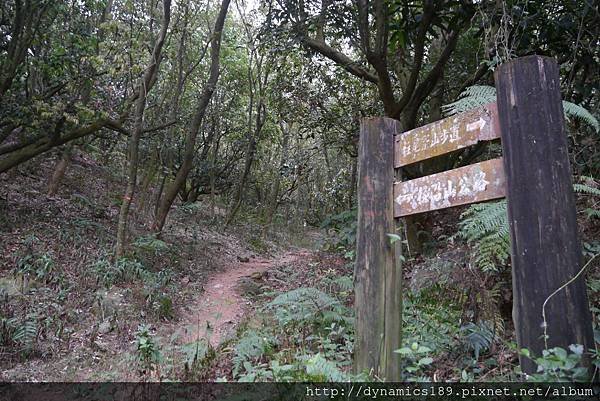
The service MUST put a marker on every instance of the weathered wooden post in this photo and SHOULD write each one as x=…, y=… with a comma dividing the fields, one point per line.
x=378, y=281
x=546, y=252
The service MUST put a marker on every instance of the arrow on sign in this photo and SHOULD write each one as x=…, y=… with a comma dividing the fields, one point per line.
x=479, y=124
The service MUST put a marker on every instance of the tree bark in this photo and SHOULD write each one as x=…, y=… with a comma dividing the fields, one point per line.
x=192, y=133
x=148, y=80
x=59, y=170
x=273, y=203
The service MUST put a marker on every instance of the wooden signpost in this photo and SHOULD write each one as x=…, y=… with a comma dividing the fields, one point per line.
x=533, y=174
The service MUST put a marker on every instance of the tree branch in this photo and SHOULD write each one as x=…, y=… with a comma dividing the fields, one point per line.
x=340, y=59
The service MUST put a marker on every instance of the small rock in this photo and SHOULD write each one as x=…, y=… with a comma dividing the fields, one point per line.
x=185, y=280
x=104, y=327
x=243, y=259
x=249, y=287
x=258, y=275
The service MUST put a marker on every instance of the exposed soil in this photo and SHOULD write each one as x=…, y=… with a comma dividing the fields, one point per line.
x=217, y=311
x=76, y=339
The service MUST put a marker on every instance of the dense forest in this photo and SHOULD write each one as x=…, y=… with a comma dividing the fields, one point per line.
x=178, y=187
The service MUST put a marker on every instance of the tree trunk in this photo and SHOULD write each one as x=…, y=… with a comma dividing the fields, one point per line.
x=253, y=138
x=59, y=170
x=152, y=168
x=271, y=208
x=146, y=85
x=192, y=133
x=237, y=199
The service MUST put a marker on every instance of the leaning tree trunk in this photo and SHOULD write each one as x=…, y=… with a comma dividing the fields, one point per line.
x=147, y=82
x=190, y=139
x=59, y=170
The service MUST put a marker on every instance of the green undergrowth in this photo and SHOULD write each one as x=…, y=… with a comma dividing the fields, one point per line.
x=307, y=334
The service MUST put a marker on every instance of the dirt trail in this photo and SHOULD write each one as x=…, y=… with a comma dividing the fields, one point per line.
x=220, y=307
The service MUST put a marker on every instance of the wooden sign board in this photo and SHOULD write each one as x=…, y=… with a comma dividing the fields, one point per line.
x=447, y=135
x=474, y=183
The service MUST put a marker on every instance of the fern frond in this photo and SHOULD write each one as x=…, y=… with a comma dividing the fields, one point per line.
x=485, y=226
x=320, y=369
x=578, y=112
x=250, y=348
x=479, y=95
x=307, y=305
x=25, y=333
x=586, y=189
x=470, y=98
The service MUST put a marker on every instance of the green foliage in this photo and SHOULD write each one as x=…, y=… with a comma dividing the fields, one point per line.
x=485, y=226
x=472, y=97
x=320, y=369
x=152, y=244
x=342, y=229
x=479, y=95
x=41, y=268
x=589, y=186
x=575, y=111
x=19, y=332
x=147, y=350
x=197, y=355
x=124, y=269
x=416, y=361
x=429, y=319
x=478, y=337
x=558, y=364
x=306, y=334
x=164, y=307
x=251, y=347
x=304, y=306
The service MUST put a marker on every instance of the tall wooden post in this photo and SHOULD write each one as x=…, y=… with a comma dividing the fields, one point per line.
x=546, y=252
x=378, y=280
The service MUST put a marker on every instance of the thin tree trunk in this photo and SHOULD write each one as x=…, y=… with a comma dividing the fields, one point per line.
x=148, y=81
x=192, y=133
x=353, y=184
x=59, y=170
x=271, y=208
x=213, y=179
x=249, y=160
x=152, y=168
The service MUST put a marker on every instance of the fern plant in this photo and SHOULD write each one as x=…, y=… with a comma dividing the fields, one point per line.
x=308, y=305
x=472, y=97
x=21, y=332
x=588, y=186
x=250, y=348
x=320, y=369
x=478, y=337
x=485, y=226
x=479, y=95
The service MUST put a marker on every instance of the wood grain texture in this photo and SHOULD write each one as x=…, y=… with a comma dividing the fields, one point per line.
x=378, y=280
x=474, y=183
x=545, y=247
x=447, y=135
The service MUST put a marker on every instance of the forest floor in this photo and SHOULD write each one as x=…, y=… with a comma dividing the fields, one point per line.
x=69, y=314
x=221, y=307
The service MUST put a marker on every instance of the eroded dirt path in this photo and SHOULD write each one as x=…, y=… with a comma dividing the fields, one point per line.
x=218, y=310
